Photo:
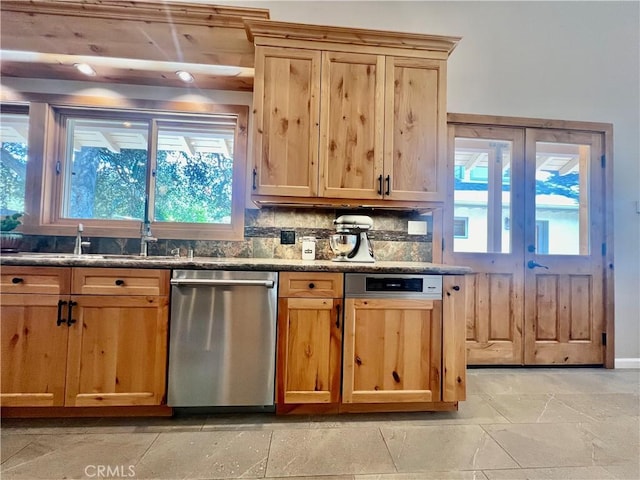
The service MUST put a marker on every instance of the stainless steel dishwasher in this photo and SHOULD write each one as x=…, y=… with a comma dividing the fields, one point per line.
x=222, y=338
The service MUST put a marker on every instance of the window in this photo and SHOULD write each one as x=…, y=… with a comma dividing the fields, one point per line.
x=113, y=168
x=14, y=134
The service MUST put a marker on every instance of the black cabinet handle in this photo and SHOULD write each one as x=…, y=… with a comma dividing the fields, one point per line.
x=388, y=180
x=15, y=280
x=119, y=282
x=338, y=316
x=255, y=174
x=380, y=185
x=312, y=285
x=70, y=320
x=60, y=320
x=456, y=288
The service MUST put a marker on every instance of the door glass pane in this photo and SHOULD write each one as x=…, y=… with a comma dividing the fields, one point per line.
x=194, y=173
x=562, y=203
x=105, y=169
x=482, y=195
x=14, y=134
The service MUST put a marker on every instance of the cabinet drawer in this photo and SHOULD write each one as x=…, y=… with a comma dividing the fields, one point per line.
x=311, y=284
x=40, y=280
x=119, y=281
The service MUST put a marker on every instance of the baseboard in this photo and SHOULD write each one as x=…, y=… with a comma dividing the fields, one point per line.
x=627, y=363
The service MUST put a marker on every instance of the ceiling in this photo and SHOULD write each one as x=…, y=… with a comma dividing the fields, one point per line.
x=141, y=42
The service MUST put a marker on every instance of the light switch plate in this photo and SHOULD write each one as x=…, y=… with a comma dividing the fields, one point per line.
x=417, y=228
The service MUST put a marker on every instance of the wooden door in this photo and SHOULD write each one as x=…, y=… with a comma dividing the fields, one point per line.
x=286, y=114
x=484, y=230
x=415, y=129
x=309, y=347
x=352, y=125
x=117, y=350
x=565, y=248
x=33, y=349
x=392, y=351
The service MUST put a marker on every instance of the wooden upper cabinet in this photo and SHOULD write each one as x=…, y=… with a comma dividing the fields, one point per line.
x=286, y=122
x=415, y=129
x=348, y=117
x=352, y=122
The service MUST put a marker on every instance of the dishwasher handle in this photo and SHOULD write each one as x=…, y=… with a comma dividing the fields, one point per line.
x=205, y=282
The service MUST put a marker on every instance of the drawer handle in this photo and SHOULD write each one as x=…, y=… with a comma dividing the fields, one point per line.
x=15, y=280
x=312, y=285
x=119, y=282
x=456, y=288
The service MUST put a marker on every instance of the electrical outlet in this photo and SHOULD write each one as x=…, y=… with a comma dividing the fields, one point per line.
x=287, y=237
x=416, y=228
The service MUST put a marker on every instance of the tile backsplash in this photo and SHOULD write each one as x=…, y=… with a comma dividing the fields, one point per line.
x=262, y=237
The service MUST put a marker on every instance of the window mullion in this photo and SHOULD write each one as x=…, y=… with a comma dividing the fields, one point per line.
x=152, y=166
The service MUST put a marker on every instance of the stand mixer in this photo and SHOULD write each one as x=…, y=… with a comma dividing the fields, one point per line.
x=351, y=243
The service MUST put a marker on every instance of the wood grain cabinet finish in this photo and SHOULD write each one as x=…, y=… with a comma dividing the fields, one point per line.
x=309, y=340
x=67, y=349
x=117, y=351
x=392, y=351
x=348, y=117
x=286, y=116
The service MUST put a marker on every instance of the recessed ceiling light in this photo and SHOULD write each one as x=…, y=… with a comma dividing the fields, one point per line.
x=184, y=76
x=85, y=68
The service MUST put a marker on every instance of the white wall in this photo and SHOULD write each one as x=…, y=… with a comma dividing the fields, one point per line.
x=556, y=60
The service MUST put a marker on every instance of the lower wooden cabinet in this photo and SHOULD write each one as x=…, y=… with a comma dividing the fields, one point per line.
x=392, y=351
x=83, y=350
x=33, y=350
x=117, y=351
x=374, y=354
x=309, y=338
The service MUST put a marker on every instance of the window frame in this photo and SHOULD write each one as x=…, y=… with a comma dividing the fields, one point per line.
x=19, y=109
x=46, y=146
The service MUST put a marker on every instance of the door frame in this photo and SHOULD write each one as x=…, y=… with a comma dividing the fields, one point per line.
x=604, y=129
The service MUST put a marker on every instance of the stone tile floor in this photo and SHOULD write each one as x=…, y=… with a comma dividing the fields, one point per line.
x=518, y=423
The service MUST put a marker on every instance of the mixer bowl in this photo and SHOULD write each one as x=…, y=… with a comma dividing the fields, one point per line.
x=342, y=243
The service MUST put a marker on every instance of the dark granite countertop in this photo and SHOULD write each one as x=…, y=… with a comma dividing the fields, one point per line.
x=214, y=263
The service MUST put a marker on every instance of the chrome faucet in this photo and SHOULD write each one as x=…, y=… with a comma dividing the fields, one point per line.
x=77, y=249
x=145, y=238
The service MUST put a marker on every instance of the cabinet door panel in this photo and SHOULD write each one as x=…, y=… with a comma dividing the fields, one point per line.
x=286, y=103
x=117, y=351
x=308, y=350
x=415, y=129
x=352, y=119
x=34, y=351
x=392, y=351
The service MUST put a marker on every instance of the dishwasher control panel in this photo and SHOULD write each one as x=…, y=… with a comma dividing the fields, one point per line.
x=362, y=285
